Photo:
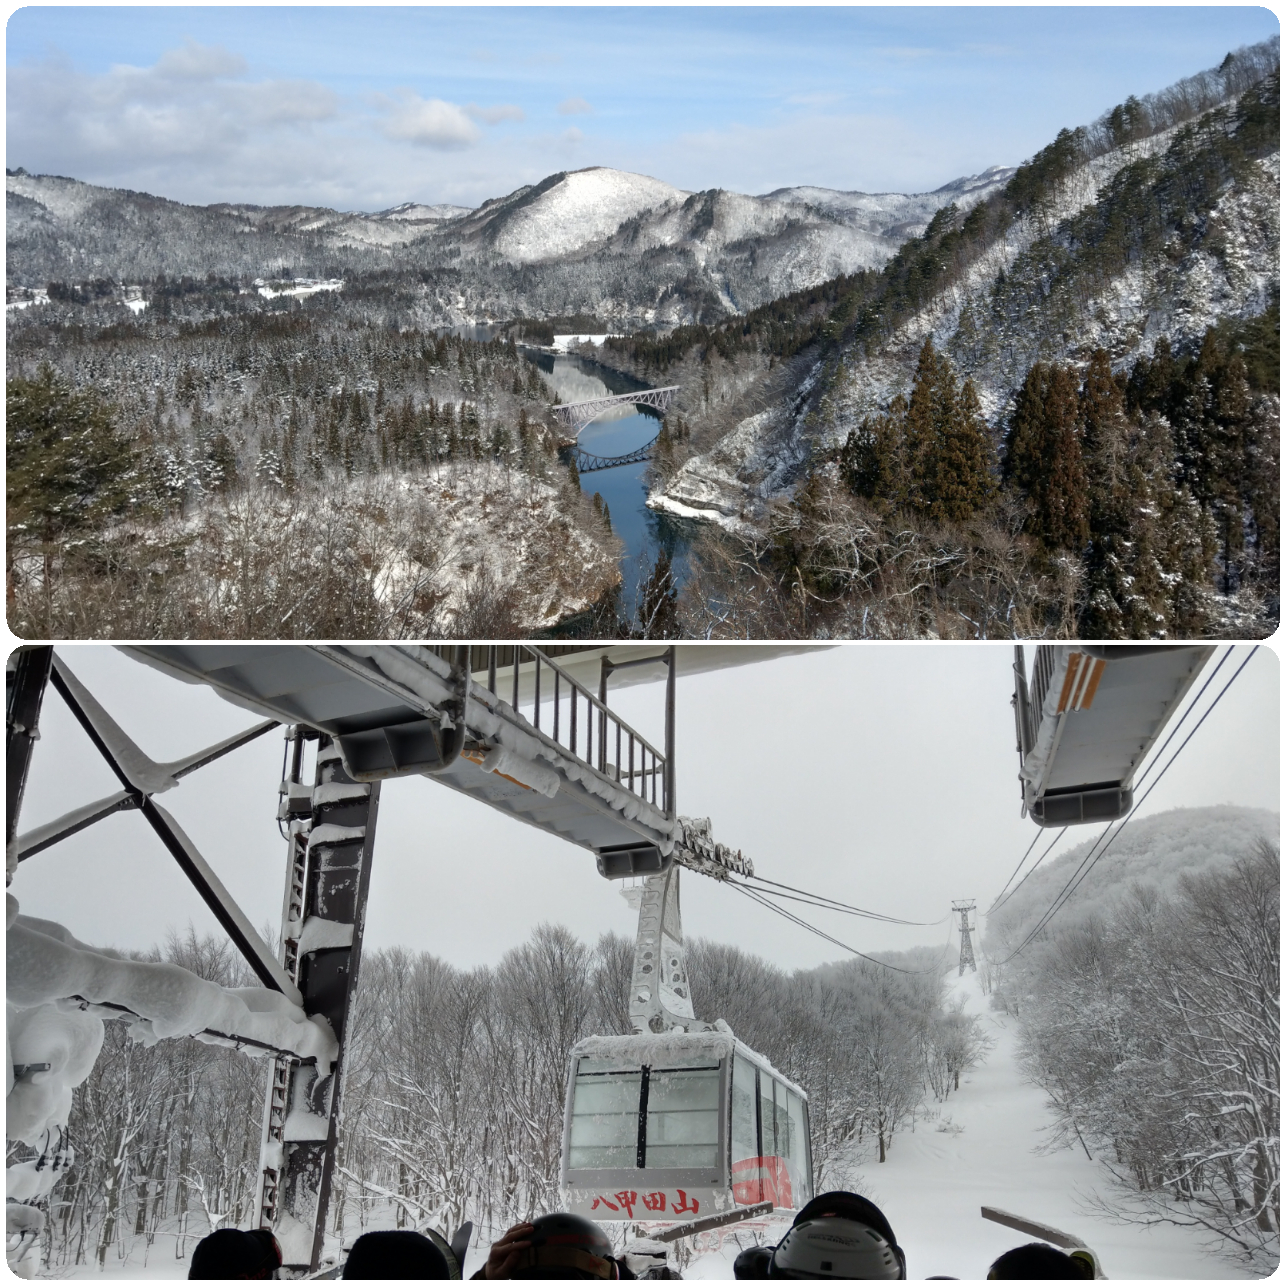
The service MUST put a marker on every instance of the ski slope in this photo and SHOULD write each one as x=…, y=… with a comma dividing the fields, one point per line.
x=980, y=1152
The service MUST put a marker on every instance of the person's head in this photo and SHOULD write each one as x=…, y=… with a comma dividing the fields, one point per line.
x=753, y=1262
x=1035, y=1262
x=233, y=1253
x=401, y=1255
x=565, y=1246
x=839, y=1234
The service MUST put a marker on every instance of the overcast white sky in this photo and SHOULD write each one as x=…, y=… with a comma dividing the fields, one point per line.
x=366, y=107
x=882, y=775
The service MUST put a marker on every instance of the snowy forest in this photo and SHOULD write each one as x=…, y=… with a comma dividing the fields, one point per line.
x=239, y=469
x=455, y=1098
x=1149, y=1014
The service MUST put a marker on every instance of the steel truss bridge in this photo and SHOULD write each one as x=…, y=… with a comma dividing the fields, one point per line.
x=576, y=415
x=588, y=463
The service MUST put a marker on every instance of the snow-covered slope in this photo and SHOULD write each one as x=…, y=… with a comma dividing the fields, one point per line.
x=593, y=229
x=1156, y=852
x=578, y=209
x=1225, y=263
x=423, y=213
x=982, y=1147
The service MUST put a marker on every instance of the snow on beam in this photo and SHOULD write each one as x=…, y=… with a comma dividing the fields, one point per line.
x=45, y=964
x=257, y=952
x=43, y=837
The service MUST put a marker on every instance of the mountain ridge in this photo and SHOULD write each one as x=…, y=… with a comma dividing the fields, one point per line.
x=60, y=226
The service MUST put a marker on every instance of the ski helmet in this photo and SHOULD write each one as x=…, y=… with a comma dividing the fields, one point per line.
x=564, y=1246
x=833, y=1246
x=848, y=1205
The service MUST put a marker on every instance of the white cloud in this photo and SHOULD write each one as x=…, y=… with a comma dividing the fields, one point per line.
x=199, y=62
x=430, y=122
x=574, y=107
x=281, y=101
x=494, y=115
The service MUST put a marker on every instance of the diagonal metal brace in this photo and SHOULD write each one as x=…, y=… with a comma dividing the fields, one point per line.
x=136, y=772
x=43, y=837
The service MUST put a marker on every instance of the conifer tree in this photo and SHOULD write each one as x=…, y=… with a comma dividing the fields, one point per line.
x=873, y=460
x=1061, y=493
x=922, y=421
x=68, y=470
x=1109, y=513
x=1022, y=462
x=959, y=478
x=1044, y=457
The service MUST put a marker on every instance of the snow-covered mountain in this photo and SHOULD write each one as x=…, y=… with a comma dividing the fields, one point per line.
x=1054, y=283
x=592, y=229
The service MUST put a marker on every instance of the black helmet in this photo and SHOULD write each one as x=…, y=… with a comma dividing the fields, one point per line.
x=753, y=1262
x=234, y=1252
x=566, y=1246
x=400, y=1254
x=1037, y=1260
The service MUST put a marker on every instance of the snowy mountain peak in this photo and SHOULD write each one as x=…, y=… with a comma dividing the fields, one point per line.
x=413, y=211
x=575, y=209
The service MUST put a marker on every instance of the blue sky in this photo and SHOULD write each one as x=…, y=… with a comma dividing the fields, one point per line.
x=363, y=108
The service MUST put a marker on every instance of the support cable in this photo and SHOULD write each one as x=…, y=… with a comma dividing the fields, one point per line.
x=1046, y=853
x=756, y=896
x=1084, y=869
x=831, y=904
x=1015, y=872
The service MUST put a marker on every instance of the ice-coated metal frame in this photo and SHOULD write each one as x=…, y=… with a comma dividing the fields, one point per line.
x=327, y=878
x=1088, y=718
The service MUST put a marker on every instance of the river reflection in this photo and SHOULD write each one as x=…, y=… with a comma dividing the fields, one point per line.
x=619, y=432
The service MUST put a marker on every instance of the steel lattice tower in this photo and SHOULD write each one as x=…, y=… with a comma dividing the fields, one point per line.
x=967, y=956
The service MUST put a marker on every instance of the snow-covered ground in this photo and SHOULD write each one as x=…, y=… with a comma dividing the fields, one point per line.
x=981, y=1151
x=978, y=1149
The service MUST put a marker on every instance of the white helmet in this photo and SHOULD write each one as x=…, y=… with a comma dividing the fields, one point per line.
x=836, y=1247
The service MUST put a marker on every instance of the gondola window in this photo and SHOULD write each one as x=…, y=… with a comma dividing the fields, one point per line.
x=605, y=1116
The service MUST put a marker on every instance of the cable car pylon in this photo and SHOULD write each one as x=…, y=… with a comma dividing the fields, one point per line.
x=965, y=909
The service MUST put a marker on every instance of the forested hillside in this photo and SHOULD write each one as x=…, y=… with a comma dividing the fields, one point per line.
x=285, y=471
x=456, y=1099
x=1149, y=1011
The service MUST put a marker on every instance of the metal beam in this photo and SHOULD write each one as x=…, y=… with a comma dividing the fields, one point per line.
x=43, y=837
x=328, y=876
x=25, y=694
x=133, y=768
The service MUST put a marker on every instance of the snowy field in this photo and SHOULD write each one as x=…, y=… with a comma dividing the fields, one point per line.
x=979, y=1150
x=981, y=1153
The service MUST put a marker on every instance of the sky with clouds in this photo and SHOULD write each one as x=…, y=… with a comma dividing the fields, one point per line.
x=367, y=107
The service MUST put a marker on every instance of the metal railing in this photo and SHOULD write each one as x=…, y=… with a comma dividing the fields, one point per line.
x=1030, y=696
x=575, y=719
